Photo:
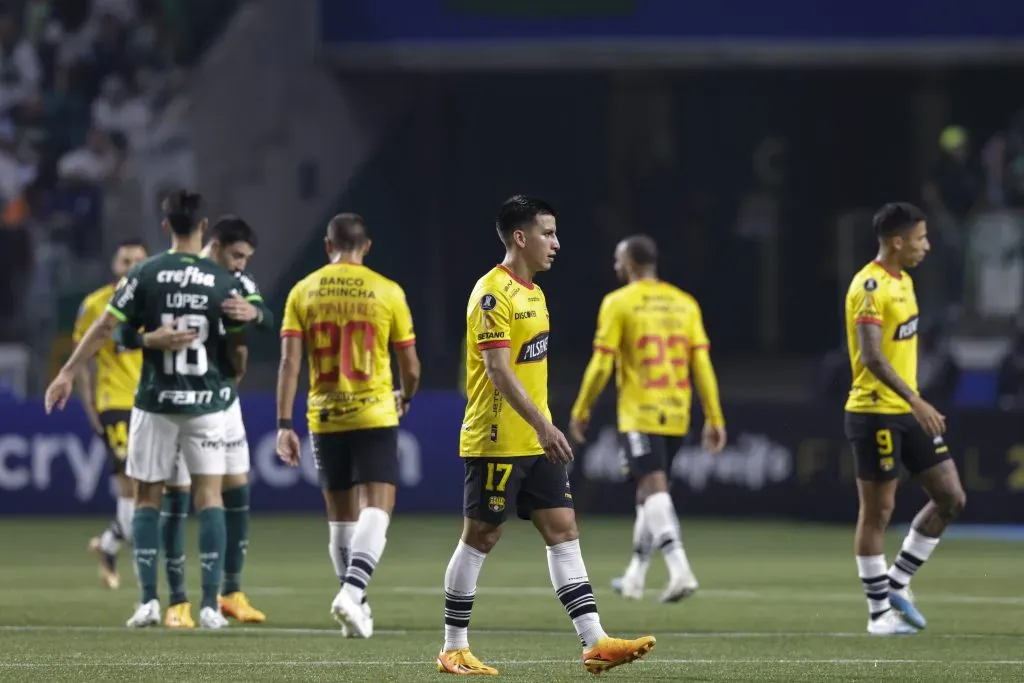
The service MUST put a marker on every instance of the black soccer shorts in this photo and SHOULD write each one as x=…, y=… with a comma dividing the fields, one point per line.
x=643, y=454
x=880, y=442
x=115, y=434
x=359, y=456
x=529, y=482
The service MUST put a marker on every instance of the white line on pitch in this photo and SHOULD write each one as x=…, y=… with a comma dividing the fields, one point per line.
x=510, y=662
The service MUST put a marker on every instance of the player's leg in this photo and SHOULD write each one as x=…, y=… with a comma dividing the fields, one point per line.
x=233, y=601
x=545, y=498
x=152, y=450
x=202, y=445
x=106, y=546
x=177, y=498
x=374, y=457
x=490, y=485
x=631, y=584
x=343, y=508
x=932, y=468
x=874, y=448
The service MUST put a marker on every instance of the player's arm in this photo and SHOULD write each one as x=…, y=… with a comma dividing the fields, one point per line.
x=83, y=380
x=98, y=334
x=713, y=437
x=288, y=447
x=249, y=306
x=239, y=354
x=599, y=370
x=167, y=337
x=403, y=339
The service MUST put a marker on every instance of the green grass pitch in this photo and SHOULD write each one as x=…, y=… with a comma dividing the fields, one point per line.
x=778, y=602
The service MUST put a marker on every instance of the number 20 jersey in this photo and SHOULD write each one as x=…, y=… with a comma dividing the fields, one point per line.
x=346, y=314
x=651, y=327
x=189, y=289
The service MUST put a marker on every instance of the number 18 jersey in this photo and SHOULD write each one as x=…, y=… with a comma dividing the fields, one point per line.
x=651, y=327
x=190, y=289
x=347, y=314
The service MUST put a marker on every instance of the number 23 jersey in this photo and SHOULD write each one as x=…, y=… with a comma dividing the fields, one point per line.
x=504, y=312
x=651, y=327
x=347, y=314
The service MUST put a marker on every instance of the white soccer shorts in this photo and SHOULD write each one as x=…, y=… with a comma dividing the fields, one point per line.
x=236, y=448
x=157, y=440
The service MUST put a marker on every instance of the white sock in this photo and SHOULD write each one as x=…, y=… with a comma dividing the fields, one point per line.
x=572, y=586
x=109, y=543
x=125, y=512
x=368, y=541
x=916, y=549
x=643, y=542
x=871, y=570
x=661, y=520
x=339, y=546
x=459, y=592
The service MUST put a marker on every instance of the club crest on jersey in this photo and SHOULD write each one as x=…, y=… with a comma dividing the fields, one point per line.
x=488, y=302
x=534, y=350
x=870, y=285
x=907, y=330
x=496, y=503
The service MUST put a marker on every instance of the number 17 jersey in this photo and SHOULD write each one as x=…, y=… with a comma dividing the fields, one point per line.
x=346, y=314
x=651, y=327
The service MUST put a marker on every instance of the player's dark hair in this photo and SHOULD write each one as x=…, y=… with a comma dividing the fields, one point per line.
x=518, y=211
x=230, y=229
x=896, y=218
x=181, y=209
x=642, y=250
x=347, y=232
x=132, y=242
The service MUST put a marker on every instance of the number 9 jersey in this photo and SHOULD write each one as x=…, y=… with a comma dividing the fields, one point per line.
x=651, y=327
x=347, y=314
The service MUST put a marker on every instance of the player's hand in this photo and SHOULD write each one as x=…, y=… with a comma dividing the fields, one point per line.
x=556, y=446
x=59, y=391
x=401, y=405
x=288, y=447
x=713, y=439
x=169, y=337
x=578, y=429
x=932, y=421
x=94, y=422
x=237, y=308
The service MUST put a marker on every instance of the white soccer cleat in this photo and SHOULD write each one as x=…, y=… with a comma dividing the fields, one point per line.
x=631, y=588
x=679, y=588
x=346, y=633
x=145, y=615
x=210, y=617
x=356, y=622
x=890, y=624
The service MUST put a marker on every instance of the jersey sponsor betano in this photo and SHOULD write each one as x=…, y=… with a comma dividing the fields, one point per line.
x=117, y=369
x=190, y=289
x=347, y=314
x=878, y=297
x=652, y=328
x=504, y=311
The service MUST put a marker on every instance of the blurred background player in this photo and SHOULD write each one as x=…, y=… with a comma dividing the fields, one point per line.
x=654, y=334
x=887, y=421
x=346, y=314
x=180, y=399
x=514, y=456
x=108, y=405
x=232, y=244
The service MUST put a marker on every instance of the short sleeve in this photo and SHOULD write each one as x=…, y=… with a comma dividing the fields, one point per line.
x=698, y=335
x=402, y=333
x=490, y=320
x=250, y=290
x=291, y=325
x=87, y=315
x=866, y=304
x=231, y=287
x=609, y=327
x=125, y=303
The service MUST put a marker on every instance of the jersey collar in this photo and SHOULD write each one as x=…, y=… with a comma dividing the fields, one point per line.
x=524, y=283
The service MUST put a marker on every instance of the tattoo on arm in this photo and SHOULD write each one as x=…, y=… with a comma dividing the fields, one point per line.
x=869, y=339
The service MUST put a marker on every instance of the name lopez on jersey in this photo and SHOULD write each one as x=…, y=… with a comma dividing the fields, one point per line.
x=183, y=278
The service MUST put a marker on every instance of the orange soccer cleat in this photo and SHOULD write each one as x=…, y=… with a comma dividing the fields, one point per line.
x=609, y=653
x=463, y=663
x=237, y=606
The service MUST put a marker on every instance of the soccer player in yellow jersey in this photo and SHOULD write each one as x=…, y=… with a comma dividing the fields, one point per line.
x=514, y=456
x=887, y=421
x=654, y=334
x=109, y=406
x=347, y=314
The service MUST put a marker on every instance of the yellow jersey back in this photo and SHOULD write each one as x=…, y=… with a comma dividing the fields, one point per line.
x=117, y=369
x=879, y=297
x=504, y=311
x=347, y=314
x=652, y=328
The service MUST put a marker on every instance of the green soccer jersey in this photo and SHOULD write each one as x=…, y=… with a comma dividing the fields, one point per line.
x=189, y=289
